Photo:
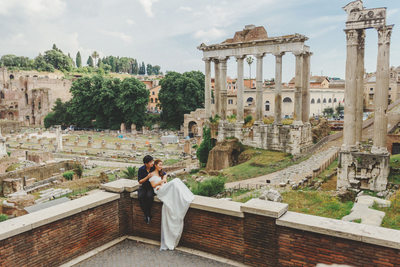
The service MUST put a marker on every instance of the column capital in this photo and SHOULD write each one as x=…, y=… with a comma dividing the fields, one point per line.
x=215, y=60
x=298, y=53
x=352, y=37
x=207, y=59
x=384, y=34
x=259, y=55
x=240, y=57
x=223, y=59
x=278, y=54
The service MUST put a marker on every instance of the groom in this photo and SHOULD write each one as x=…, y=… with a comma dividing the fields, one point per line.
x=146, y=192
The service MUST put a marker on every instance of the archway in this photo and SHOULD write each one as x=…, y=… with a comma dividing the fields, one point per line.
x=267, y=106
x=193, y=129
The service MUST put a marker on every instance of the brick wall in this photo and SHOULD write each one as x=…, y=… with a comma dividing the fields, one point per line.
x=60, y=241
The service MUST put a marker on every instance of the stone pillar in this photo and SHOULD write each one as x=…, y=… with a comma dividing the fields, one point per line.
x=59, y=138
x=381, y=92
x=223, y=88
x=305, y=90
x=278, y=87
x=259, y=89
x=240, y=90
x=350, y=94
x=217, y=86
x=360, y=85
x=297, y=114
x=207, y=87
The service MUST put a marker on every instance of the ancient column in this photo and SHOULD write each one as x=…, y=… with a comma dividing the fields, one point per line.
x=350, y=94
x=240, y=89
x=59, y=139
x=298, y=83
x=360, y=85
x=381, y=92
x=305, y=90
x=223, y=87
x=217, y=86
x=207, y=87
x=278, y=87
x=259, y=89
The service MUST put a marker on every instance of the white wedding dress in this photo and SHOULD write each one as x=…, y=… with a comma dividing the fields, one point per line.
x=176, y=198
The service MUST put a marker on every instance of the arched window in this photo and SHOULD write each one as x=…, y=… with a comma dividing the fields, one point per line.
x=11, y=76
x=249, y=101
x=324, y=101
x=155, y=100
x=330, y=100
x=151, y=100
x=230, y=101
x=287, y=100
x=26, y=99
x=334, y=100
x=313, y=101
x=267, y=105
x=318, y=101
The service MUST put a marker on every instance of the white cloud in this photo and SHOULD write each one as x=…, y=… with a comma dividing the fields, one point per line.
x=211, y=34
x=323, y=31
x=129, y=21
x=147, y=5
x=123, y=36
x=38, y=9
x=185, y=8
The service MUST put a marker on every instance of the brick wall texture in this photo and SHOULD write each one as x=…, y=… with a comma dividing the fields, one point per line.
x=253, y=240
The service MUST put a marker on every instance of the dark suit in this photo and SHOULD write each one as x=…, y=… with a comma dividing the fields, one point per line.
x=145, y=191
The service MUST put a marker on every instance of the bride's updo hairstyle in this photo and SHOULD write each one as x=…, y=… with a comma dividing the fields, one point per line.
x=156, y=162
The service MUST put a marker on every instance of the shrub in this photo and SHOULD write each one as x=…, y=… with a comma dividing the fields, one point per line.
x=78, y=170
x=209, y=187
x=232, y=118
x=287, y=121
x=3, y=217
x=248, y=119
x=269, y=120
x=68, y=175
x=205, y=146
x=130, y=173
x=214, y=119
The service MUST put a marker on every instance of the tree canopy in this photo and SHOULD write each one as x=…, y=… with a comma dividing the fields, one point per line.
x=180, y=94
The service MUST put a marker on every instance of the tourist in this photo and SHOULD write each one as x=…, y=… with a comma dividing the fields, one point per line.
x=176, y=198
x=145, y=191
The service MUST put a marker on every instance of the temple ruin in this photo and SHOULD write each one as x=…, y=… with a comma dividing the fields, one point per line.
x=295, y=138
x=360, y=167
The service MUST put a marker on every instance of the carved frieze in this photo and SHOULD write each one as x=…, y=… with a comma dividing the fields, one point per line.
x=366, y=18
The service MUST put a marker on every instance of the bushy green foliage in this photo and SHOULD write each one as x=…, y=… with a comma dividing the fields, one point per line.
x=130, y=173
x=180, y=94
x=59, y=115
x=328, y=111
x=78, y=170
x=248, y=119
x=209, y=187
x=3, y=217
x=205, y=146
x=68, y=175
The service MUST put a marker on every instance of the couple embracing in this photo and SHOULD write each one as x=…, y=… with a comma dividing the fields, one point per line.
x=176, y=198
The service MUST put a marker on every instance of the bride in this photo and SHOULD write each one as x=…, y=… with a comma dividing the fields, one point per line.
x=176, y=198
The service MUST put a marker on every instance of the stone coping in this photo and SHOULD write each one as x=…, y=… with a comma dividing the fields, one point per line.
x=121, y=185
x=211, y=204
x=354, y=231
x=264, y=208
x=33, y=220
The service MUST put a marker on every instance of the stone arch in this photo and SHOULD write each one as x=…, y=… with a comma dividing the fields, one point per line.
x=313, y=101
x=249, y=101
x=193, y=129
x=267, y=106
x=324, y=101
x=287, y=100
x=319, y=101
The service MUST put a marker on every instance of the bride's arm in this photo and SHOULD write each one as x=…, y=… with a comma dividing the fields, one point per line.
x=155, y=184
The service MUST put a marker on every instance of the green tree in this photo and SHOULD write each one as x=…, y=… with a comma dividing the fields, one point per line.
x=328, y=111
x=135, y=67
x=90, y=62
x=78, y=60
x=250, y=61
x=149, y=69
x=180, y=94
x=339, y=109
x=95, y=56
x=142, y=69
x=205, y=146
x=156, y=70
x=57, y=59
x=59, y=115
x=40, y=64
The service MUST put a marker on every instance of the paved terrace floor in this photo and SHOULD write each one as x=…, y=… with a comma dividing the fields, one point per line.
x=132, y=253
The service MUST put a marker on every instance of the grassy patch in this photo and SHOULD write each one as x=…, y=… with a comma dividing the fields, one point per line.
x=392, y=216
x=395, y=161
x=394, y=177
x=169, y=162
x=317, y=203
x=329, y=183
x=13, y=167
x=259, y=162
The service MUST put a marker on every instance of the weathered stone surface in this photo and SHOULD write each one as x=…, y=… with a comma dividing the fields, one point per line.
x=12, y=185
x=225, y=154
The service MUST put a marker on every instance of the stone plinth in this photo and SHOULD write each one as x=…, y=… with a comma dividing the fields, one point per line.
x=293, y=139
x=363, y=170
x=225, y=154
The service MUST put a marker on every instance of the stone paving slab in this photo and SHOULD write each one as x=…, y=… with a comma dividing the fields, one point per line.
x=132, y=253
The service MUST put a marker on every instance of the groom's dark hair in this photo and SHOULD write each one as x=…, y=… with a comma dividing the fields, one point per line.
x=147, y=159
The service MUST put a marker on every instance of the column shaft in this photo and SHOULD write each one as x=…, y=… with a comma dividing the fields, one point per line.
x=207, y=89
x=297, y=93
x=305, y=91
x=278, y=88
x=360, y=85
x=240, y=89
x=350, y=95
x=259, y=89
x=382, y=88
x=223, y=87
x=217, y=86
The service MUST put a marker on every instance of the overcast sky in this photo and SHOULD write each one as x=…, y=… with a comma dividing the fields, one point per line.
x=167, y=32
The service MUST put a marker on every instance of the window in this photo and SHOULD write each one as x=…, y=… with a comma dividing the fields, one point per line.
x=389, y=96
x=151, y=100
x=287, y=100
x=390, y=88
x=266, y=105
x=40, y=105
x=156, y=100
x=153, y=93
x=371, y=96
x=230, y=101
x=371, y=89
x=334, y=100
x=313, y=101
x=318, y=101
x=330, y=100
x=249, y=101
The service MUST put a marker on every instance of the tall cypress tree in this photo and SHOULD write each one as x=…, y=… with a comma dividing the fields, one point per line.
x=90, y=62
x=142, y=69
x=78, y=60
